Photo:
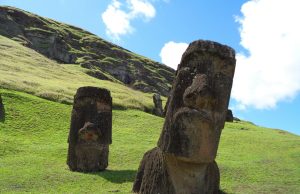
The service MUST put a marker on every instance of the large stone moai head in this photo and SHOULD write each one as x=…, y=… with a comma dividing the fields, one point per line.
x=198, y=102
x=91, y=129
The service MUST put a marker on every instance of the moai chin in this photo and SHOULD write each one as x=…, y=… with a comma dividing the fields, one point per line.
x=184, y=160
x=91, y=130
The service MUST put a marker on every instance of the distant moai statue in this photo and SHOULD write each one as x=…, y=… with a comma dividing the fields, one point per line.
x=2, y=111
x=91, y=130
x=184, y=161
x=158, y=110
x=229, y=116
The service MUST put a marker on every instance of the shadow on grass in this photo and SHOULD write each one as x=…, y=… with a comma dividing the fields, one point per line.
x=117, y=176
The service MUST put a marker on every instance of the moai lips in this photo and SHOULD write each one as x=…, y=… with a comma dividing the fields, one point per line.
x=195, y=117
x=91, y=130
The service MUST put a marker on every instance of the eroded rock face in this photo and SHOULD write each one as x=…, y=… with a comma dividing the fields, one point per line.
x=158, y=110
x=91, y=130
x=195, y=117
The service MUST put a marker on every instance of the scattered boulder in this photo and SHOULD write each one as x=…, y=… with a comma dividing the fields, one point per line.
x=91, y=130
x=229, y=116
x=158, y=110
x=2, y=112
x=195, y=117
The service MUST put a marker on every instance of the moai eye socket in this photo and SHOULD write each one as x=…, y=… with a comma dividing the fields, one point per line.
x=103, y=106
x=198, y=95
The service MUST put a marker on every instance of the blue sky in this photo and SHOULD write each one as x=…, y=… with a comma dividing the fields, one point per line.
x=264, y=33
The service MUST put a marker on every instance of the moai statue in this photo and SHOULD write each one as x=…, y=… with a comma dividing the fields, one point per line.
x=91, y=130
x=158, y=110
x=184, y=161
x=2, y=112
x=229, y=116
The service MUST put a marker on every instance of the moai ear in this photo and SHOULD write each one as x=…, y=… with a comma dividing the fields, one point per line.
x=103, y=106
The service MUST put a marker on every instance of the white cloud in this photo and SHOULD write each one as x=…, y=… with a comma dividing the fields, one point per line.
x=118, y=21
x=171, y=53
x=271, y=72
x=142, y=8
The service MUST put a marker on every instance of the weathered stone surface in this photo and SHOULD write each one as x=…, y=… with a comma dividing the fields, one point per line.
x=68, y=44
x=152, y=176
x=200, y=93
x=2, y=111
x=158, y=110
x=196, y=112
x=91, y=130
x=91, y=155
x=229, y=116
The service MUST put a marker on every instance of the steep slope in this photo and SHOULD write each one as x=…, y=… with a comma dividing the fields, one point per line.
x=72, y=45
x=33, y=148
x=24, y=69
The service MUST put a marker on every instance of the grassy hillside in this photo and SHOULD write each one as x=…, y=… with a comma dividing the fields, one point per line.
x=72, y=45
x=23, y=69
x=33, y=150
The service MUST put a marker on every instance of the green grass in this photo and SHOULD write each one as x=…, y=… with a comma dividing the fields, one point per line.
x=33, y=149
x=23, y=69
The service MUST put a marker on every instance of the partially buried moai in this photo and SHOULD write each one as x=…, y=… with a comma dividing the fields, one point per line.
x=91, y=130
x=2, y=112
x=157, y=110
x=184, y=161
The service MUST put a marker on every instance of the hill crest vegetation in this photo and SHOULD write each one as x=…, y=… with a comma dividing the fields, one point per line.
x=71, y=45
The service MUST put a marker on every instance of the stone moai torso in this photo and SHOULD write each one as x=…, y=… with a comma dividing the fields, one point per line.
x=158, y=110
x=184, y=161
x=91, y=130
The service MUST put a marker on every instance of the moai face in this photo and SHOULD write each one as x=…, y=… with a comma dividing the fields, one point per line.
x=198, y=102
x=94, y=108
